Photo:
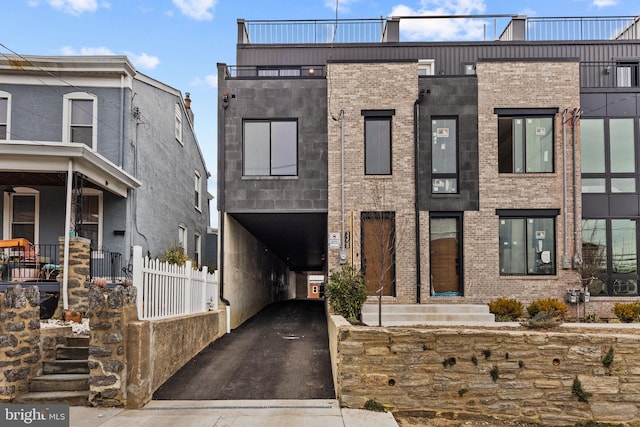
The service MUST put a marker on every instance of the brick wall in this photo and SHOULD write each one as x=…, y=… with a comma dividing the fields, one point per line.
x=355, y=87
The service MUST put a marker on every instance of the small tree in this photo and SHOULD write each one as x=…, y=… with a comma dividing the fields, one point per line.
x=346, y=292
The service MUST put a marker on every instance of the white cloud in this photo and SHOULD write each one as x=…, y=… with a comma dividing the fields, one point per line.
x=196, y=9
x=604, y=3
x=343, y=5
x=210, y=81
x=143, y=60
x=86, y=51
x=76, y=7
x=442, y=29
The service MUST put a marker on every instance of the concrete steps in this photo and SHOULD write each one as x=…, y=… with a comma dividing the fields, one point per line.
x=64, y=380
x=427, y=314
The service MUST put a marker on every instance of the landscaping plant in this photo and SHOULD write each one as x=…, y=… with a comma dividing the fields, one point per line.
x=346, y=292
x=550, y=305
x=506, y=309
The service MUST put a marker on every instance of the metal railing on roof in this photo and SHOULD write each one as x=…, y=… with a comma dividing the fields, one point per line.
x=315, y=31
x=276, y=71
x=609, y=74
x=583, y=28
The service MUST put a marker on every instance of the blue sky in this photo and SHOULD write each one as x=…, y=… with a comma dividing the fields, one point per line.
x=179, y=42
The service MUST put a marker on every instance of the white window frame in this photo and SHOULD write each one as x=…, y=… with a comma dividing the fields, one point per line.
x=94, y=192
x=198, y=248
x=426, y=67
x=198, y=191
x=182, y=237
x=66, y=116
x=7, y=95
x=8, y=212
x=178, y=123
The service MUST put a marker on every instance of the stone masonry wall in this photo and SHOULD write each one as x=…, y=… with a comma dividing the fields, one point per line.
x=354, y=87
x=504, y=373
x=20, y=354
x=78, y=275
x=109, y=313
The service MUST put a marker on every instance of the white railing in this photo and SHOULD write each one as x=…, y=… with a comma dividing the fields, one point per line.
x=168, y=290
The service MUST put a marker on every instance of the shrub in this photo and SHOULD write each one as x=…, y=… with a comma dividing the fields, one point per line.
x=550, y=305
x=346, y=292
x=175, y=254
x=506, y=309
x=627, y=312
x=543, y=320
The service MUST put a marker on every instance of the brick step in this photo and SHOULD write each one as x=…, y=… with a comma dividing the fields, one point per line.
x=60, y=382
x=65, y=367
x=71, y=398
x=77, y=341
x=72, y=353
x=426, y=308
x=370, y=318
x=427, y=314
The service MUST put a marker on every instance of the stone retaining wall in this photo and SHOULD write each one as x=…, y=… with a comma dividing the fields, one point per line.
x=502, y=372
x=20, y=353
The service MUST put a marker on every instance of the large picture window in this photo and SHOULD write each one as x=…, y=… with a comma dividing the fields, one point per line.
x=608, y=155
x=610, y=256
x=525, y=142
x=270, y=148
x=527, y=244
x=444, y=156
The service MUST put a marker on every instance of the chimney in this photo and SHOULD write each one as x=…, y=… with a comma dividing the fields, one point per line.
x=187, y=105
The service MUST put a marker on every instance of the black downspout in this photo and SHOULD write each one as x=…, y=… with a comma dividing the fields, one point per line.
x=221, y=184
x=416, y=151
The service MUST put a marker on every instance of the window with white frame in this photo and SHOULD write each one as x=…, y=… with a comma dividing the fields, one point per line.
x=88, y=216
x=80, y=119
x=425, y=67
x=182, y=237
x=178, y=125
x=197, y=190
x=22, y=214
x=5, y=115
x=197, y=239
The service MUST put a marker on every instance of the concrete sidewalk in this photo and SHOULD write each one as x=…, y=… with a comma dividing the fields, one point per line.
x=236, y=413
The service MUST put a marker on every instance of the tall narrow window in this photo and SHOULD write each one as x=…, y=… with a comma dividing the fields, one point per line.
x=377, y=142
x=592, y=155
x=527, y=245
x=182, y=237
x=21, y=213
x=197, y=240
x=178, y=123
x=197, y=190
x=444, y=156
x=91, y=217
x=525, y=143
x=80, y=117
x=270, y=148
x=5, y=114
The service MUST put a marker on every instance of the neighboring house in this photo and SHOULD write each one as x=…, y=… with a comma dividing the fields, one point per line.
x=92, y=141
x=449, y=172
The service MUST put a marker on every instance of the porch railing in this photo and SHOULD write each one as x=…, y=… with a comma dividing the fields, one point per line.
x=167, y=290
x=609, y=74
x=29, y=263
x=106, y=264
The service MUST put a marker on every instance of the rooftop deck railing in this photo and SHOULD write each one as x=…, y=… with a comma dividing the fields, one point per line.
x=610, y=74
x=282, y=71
x=389, y=29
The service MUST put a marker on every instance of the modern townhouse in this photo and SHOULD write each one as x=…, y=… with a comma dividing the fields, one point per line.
x=447, y=171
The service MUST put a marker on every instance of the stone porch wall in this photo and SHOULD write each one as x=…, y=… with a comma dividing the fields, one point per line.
x=20, y=352
x=450, y=370
x=78, y=275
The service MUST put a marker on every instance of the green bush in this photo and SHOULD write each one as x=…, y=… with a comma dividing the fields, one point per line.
x=543, y=320
x=175, y=254
x=550, y=305
x=506, y=309
x=627, y=312
x=346, y=292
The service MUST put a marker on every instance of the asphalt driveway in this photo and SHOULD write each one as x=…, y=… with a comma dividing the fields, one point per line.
x=280, y=353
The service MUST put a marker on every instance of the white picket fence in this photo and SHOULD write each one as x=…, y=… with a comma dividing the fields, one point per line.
x=168, y=290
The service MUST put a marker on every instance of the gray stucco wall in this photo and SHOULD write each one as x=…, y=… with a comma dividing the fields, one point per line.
x=450, y=97
x=301, y=99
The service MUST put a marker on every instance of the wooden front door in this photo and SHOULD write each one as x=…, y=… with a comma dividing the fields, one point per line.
x=378, y=252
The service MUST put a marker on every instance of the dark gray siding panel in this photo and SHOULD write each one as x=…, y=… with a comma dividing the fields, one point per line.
x=301, y=99
x=449, y=57
x=450, y=97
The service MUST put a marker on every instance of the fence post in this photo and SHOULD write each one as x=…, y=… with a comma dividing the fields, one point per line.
x=187, y=292
x=137, y=279
x=203, y=300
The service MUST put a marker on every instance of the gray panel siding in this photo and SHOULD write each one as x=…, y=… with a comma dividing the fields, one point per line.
x=450, y=97
x=449, y=57
x=301, y=99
